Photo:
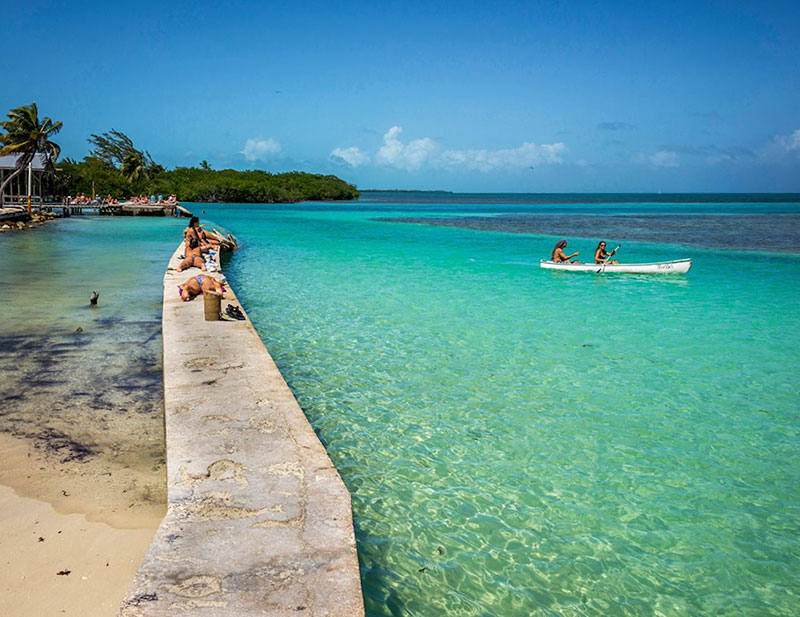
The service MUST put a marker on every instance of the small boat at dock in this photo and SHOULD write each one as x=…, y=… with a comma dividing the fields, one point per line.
x=679, y=266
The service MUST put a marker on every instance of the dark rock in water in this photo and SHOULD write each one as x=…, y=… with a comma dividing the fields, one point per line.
x=78, y=329
x=94, y=298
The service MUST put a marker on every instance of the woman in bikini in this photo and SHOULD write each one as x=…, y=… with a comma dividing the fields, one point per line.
x=194, y=258
x=601, y=255
x=198, y=284
x=559, y=256
x=195, y=230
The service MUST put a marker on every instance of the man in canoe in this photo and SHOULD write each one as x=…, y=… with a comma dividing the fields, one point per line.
x=601, y=256
x=559, y=256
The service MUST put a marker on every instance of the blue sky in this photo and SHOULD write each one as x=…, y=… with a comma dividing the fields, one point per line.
x=466, y=96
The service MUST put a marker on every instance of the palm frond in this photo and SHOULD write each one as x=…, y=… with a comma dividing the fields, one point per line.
x=26, y=135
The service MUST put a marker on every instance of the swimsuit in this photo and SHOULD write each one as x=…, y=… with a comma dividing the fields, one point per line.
x=199, y=278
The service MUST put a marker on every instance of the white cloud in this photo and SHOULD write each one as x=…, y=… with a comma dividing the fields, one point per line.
x=353, y=156
x=526, y=155
x=781, y=150
x=664, y=158
x=425, y=151
x=260, y=149
x=409, y=156
x=791, y=143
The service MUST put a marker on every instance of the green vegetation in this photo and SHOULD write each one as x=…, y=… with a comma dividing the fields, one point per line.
x=25, y=135
x=198, y=183
x=115, y=166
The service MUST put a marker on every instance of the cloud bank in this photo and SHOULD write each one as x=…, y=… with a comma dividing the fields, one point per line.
x=353, y=156
x=664, y=158
x=790, y=143
x=422, y=152
x=526, y=155
x=412, y=155
x=660, y=159
x=260, y=149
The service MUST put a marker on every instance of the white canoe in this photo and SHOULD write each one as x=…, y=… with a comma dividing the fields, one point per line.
x=679, y=266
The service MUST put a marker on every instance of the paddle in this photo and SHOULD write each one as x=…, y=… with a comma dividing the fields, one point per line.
x=607, y=258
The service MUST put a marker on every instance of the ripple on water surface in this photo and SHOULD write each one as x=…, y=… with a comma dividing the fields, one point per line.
x=524, y=442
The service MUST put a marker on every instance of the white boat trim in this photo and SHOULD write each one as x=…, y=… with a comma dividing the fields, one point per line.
x=678, y=266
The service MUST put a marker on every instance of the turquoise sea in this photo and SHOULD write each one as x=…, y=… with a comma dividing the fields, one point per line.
x=526, y=442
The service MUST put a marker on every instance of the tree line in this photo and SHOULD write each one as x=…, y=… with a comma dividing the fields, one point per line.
x=198, y=184
x=117, y=167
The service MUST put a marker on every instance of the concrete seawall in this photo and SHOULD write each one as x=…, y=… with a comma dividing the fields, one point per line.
x=258, y=520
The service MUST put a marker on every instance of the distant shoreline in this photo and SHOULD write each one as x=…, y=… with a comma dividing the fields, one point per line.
x=403, y=191
x=595, y=198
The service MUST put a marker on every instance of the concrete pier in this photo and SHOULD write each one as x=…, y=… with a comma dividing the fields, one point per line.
x=258, y=520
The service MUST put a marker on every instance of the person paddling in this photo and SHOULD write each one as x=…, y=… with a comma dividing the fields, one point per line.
x=601, y=256
x=559, y=256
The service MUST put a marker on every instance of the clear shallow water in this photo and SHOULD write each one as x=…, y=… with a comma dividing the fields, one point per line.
x=98, y=392
x=517, y=441
x=527, y=442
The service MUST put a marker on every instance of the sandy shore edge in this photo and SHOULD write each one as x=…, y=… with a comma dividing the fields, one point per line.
x=63, y=564
x=87, y=518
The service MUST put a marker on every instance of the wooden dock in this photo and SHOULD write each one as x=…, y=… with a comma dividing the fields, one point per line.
x=122, y=209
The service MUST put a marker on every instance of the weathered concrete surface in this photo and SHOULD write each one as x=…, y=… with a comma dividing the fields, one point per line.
x=258, y=520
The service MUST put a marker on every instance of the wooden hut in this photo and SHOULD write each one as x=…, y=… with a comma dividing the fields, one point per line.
x=41, y=176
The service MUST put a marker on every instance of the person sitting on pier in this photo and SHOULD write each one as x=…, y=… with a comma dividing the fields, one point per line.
x=193, y=230
x=193, y=259
x=207, y=240
x=197, y=285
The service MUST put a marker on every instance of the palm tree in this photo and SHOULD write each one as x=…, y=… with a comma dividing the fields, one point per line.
x=134, y=166
x=26, y=136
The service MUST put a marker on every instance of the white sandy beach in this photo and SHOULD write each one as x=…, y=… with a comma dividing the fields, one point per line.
x=72, y=538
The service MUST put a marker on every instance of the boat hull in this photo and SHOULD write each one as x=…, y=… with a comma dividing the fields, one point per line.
x=679, y=266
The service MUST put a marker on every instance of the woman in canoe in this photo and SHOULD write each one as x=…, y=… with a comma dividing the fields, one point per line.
x=559, y=256
x=601, y=255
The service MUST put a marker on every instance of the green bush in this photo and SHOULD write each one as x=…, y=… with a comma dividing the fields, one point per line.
x=199, y=184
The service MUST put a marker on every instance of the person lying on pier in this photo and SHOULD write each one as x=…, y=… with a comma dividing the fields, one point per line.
x=194, y=258
x=197, y=284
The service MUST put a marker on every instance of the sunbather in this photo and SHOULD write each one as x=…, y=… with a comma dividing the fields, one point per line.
x=194, y=258
x=198, y=284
